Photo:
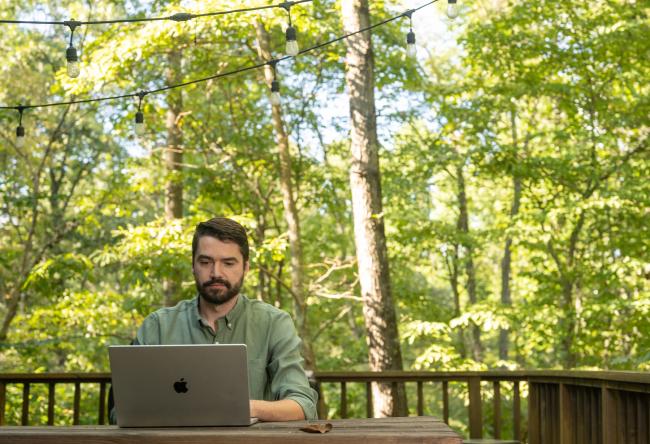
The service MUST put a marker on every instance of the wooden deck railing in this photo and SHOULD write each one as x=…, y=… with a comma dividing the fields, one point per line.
x=27, y=380
x=563, y=407
x=471, y=380
x=589, y=407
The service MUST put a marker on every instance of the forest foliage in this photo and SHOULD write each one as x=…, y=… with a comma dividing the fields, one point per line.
x=514, y=161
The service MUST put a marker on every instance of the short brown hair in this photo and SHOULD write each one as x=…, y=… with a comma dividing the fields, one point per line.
x=224, y=229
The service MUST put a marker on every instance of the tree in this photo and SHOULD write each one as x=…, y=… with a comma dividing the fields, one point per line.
x=506, y=261
x=173, y=161
x=564, y=69
x=384, y=351
x=49, y=188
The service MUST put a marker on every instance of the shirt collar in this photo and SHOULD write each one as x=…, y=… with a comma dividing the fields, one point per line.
x=237, y=310
x=232, y=315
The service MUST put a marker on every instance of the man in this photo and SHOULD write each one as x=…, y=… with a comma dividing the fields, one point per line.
x=221, y=315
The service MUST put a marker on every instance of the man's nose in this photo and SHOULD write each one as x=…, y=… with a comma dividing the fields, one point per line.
x=217, y=270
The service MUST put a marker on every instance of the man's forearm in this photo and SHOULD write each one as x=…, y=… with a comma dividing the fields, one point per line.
x=283, y=410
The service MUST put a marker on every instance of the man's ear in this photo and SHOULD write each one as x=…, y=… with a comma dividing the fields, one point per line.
x=247, y=267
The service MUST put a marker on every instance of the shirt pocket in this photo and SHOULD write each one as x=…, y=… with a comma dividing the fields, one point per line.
x=257, y=378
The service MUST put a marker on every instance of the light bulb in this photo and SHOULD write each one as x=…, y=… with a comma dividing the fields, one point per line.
x=275, y=93
x=20, y=136
x=292, y=43
x=292, y=48
x=73, y=62
x=139, y=124
x=412, y=52
x=452, y=9
x=73, y=69
x=411, y=49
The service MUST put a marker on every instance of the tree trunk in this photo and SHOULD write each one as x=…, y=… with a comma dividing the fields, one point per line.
x=569, y=308
x=173, y=162
x=12, y=298
x=506, y=267
x=506, y=262
x=379, y=312
x=452, y=273
x=463, y=226
x=290, y=211
x=568, y=279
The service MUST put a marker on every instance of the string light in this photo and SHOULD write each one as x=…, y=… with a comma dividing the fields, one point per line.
x=178, y=17
x=276, y=99
x=139, y=116
x=71, y=53
x=452, y=9
x=411, y=49
x=292, y=48
x=20, y=130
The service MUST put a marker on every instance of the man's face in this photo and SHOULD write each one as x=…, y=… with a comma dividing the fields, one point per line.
x=219, y=270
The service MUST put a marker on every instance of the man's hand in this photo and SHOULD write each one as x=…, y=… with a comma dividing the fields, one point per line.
x=283, y=410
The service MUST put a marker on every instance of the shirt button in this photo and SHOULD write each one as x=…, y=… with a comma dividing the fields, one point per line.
x=229, y=325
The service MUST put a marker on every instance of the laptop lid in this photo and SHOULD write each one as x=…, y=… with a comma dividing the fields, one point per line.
x=180, y=385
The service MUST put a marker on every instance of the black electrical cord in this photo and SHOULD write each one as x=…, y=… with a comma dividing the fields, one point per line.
x=272, y=62
x=178, y=17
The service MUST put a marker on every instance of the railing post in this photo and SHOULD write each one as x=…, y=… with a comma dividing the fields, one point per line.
x=50, y=404
x=344, y=400
x=445, y=402
x=420, y=399
x=24, y=420
x=516, y=415
x=497, y=408
x=77, y=398
x=369, y=409
x=102, y=403
x=3, y=399
x=475, y=416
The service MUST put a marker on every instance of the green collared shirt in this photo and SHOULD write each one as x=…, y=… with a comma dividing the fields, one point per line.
x=274, y=361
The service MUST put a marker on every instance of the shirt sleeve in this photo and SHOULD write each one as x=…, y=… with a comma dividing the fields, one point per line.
x=287, y=376
x=149, y=331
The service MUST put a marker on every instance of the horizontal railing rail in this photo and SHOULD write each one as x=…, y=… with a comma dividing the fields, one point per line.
x=566, y=407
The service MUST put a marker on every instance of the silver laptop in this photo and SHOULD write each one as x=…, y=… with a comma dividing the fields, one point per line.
x=180, y=385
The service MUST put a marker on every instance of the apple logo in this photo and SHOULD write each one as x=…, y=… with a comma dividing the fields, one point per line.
x=180, y=386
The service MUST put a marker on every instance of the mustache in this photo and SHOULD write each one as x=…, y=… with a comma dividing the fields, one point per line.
x=216, y=281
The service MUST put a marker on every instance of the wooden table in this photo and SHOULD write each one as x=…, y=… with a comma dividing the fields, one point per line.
x=411, y=430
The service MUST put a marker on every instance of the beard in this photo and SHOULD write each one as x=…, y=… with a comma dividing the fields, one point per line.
x=218, y=296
